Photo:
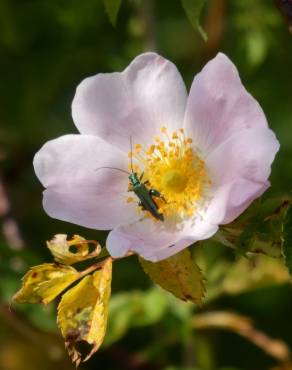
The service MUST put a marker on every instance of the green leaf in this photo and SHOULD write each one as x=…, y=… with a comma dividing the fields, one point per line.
x=287, y=240
x=120, y=312
x=259, y=229
x=43, y=283
x=153, y=304
x=134, y=309
x=83, y=312
x=61, y=249
x=179, y=275
x=112, y=8
x=193, y=9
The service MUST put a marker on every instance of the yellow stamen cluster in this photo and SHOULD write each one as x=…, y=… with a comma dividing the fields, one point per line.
x=172, y=167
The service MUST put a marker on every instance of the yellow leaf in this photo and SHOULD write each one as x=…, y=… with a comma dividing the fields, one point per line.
x=179, y=275
x=41, y=284
x=83, y=311
x=72, y=251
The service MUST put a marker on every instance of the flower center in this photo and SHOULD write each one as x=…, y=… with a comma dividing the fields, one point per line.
x=172, y=167
x=175, y=181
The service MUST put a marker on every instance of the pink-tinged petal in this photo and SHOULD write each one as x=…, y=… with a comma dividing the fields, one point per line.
x=248, y=154
x=155, y=241
x=143, y=237
x=72, y=160
x=79, y=190
x=135, y=103
x=241, y=195
x=239, y=169
x=89, y=208
x=219, y=106
x=230, y=200
x=201, y=231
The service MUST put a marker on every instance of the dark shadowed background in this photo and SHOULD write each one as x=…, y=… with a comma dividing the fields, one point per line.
x=46, y=49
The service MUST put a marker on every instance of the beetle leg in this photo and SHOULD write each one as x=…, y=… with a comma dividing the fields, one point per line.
x=156, y=193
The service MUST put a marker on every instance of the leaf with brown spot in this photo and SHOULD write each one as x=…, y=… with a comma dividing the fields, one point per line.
x=179, y=275
x=83, y=311
x=43, y=283
x=61, y=249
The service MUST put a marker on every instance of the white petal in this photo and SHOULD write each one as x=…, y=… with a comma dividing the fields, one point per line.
x=155, y=241
x=79, y=190
x=219, y=106
x=136, y=103
x=247, y=154
x=77, y=159
x=230, y=200
x=89, y=208
x=144, y=237
x=201, y=231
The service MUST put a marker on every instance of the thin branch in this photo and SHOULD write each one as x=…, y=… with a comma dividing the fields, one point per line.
x=244, y=327
x=214, y=26
x=148, y=18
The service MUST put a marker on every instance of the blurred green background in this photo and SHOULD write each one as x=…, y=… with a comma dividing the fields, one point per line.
x=47, y=48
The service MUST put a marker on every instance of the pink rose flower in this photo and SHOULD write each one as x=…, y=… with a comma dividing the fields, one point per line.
x=208, y=154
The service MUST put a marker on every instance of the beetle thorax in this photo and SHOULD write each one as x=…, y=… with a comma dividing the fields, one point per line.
x=134, y=180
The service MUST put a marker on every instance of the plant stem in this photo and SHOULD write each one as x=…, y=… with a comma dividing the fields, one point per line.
x=91, y=268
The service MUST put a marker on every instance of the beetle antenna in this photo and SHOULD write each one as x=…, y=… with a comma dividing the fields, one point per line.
x=114, y=168
x=131, y=145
